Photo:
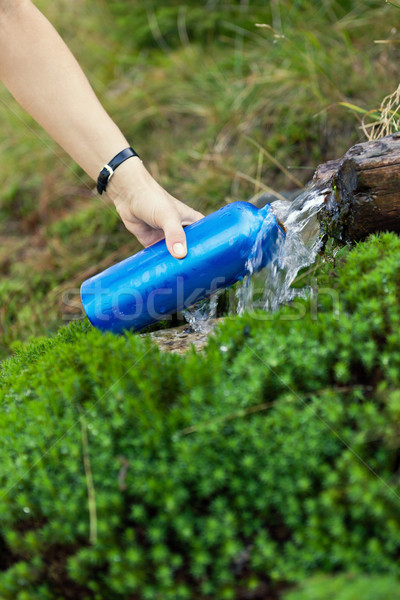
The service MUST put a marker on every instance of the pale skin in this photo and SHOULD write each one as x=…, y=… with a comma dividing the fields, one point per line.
x=42, y=74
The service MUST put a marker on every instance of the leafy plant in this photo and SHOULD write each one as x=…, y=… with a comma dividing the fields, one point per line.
x=271, y=456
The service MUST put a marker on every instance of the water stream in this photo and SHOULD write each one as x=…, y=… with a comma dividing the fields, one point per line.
x=271, y=287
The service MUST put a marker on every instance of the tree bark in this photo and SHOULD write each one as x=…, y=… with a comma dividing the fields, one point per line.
x=362, y=190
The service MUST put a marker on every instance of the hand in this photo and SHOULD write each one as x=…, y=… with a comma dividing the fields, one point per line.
x=147, y=210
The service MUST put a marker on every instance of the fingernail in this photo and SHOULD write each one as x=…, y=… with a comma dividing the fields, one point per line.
x=179, y=250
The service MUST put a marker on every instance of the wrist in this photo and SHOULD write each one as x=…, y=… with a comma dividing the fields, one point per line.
x=108, y=170
x=130, y=177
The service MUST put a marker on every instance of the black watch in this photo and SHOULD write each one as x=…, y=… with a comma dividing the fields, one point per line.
x=108, y=170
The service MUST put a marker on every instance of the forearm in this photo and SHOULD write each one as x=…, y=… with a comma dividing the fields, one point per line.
x=44, y=77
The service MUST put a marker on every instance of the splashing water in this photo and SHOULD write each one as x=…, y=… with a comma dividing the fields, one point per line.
x=271, y=287
x=201, y=315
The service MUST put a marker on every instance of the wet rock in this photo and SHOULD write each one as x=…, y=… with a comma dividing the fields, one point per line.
x=181, y=339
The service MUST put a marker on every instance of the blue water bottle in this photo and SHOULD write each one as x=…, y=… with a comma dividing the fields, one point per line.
x=223, y=247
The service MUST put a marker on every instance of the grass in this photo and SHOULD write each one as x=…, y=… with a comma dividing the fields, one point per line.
x=206, y=97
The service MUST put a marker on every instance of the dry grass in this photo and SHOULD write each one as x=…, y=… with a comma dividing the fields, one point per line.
x=385, y=119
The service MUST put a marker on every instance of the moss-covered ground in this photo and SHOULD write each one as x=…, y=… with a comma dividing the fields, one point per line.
x=270, y=457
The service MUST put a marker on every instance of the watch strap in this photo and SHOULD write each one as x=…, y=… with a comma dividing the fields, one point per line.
x=108, y=170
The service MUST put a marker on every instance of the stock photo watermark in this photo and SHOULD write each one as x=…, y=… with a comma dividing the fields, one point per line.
x=130, y=307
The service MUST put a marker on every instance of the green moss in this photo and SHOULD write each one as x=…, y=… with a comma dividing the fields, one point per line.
x=271, y=456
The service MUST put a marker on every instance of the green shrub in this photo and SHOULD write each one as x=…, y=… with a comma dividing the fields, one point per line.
x=129, y=473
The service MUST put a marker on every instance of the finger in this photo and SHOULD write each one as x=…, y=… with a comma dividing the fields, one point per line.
x=191, y=218
x=175, y=236
x=188, y=215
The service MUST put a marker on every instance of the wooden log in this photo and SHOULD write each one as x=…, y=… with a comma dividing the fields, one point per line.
x=362, y=190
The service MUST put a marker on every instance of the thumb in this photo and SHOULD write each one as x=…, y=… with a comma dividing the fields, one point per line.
x=175, y=237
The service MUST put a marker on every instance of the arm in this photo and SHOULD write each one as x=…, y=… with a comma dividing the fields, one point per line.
x=44, y=77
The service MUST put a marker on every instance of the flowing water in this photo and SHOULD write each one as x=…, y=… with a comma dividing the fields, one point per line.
x=271, y=287
x=201, y=316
